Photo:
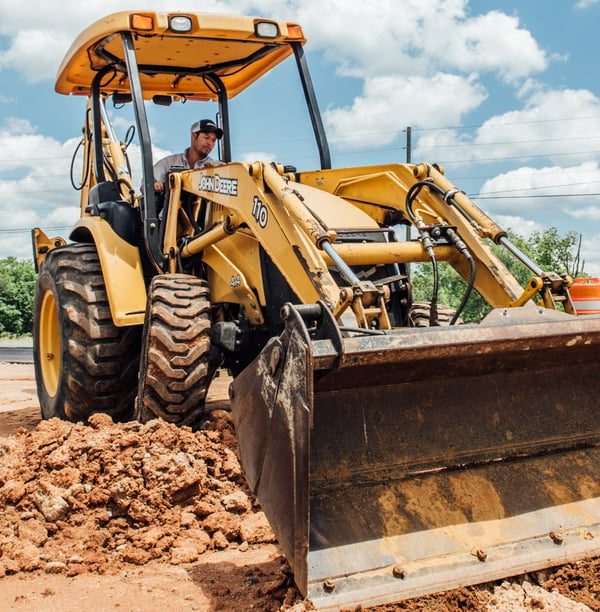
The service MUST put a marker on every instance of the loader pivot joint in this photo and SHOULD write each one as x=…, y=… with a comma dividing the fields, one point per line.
x=316, y=322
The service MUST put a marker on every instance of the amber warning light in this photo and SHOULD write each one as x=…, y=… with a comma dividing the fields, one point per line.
x=141, y=22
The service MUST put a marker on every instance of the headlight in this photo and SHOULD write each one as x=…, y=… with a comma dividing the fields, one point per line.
x=266, y=29
x=180, y=23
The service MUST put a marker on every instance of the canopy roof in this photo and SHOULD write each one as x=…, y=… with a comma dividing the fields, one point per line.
x=235, y=48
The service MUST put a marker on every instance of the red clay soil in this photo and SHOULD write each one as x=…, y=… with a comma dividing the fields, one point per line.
x=146, y=517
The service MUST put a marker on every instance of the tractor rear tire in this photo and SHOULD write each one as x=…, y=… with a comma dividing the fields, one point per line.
x=175, y=370
x=419, y=315
x=84, y=364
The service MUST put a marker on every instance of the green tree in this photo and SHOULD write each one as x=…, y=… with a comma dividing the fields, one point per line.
x=17, y=290
x=548, y=250
x=558, y=253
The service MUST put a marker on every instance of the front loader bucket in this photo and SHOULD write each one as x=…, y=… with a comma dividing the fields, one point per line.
x=392, y=466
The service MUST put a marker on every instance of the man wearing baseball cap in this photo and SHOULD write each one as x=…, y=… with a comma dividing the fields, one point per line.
x=204, y=135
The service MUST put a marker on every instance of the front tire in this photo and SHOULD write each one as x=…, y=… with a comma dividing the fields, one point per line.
x=175, y=370
x=83, y=363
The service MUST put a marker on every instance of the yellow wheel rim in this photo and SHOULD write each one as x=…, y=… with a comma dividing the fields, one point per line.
x=49, y=343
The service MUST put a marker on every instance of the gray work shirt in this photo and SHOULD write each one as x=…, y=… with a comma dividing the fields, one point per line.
x=179, y=161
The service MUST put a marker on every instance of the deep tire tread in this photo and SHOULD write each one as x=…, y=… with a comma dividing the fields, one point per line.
x=99, y=360
x=419, y=313
x=175, y=371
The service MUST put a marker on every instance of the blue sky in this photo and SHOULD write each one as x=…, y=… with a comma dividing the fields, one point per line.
x=505, y=95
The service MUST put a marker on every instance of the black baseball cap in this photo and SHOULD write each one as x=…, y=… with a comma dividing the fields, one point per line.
x=206, y=125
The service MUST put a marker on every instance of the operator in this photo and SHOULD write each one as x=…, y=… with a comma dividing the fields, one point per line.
x=205, y=134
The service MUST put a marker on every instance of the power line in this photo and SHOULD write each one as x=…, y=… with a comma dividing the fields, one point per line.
x=556, y=186
x=489, y=159
x=399, y=148
x=508, y=142
x=544, y=187
x=21, y=230
x=448, y=162
x=466, y=127
x=534, y=195
x=530, y=121
x=21, y=191
x=490, y=176
x=478, y=196
x=17, y=160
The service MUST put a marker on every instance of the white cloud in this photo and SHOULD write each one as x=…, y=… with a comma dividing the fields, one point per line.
x=17, y=217
x=35, y=187
x=420, y=63
x=22, y=147
x=34, y=184
x=34, y=53
x=419, y=38
x=390, y=103
x=252, y=156
x=583, y=4
x=559, y=125
x=13, y=245
x=18, y=126
x=590, y=248
x=63, y=216
x=556, y=122
x=434, y=52
x=572, y=203
x=521, y=191
x=492, y=42
x=16, y=225
x=71, y=16
x=519, y=225
x=38, y=39
x=591, y=213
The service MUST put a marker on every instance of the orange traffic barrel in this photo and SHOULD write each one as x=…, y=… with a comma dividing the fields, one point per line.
x=585, y=293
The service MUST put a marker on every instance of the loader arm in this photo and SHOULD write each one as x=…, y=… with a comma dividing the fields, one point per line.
x=297, y=226
x=381, y=191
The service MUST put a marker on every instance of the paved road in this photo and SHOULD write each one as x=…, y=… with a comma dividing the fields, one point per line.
x=16, y=353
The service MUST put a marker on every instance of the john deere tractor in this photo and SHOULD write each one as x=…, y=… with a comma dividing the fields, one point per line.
x=395, y=451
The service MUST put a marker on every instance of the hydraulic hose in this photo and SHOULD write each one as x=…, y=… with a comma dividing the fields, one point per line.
x=457, y=241
x=427, y=241
x=452, y=237
x=467, y=293
x=88, y=140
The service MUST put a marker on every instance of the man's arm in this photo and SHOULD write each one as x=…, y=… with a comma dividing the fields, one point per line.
x=161, y=170
x=166, y=165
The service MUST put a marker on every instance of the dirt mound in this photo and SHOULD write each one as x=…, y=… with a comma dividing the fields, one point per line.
x=109, y=494
x=99, y=498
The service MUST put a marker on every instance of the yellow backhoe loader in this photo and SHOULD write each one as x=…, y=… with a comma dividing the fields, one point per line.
x=395, y=451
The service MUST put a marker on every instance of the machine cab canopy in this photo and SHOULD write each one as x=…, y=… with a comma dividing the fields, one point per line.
x=179, y=54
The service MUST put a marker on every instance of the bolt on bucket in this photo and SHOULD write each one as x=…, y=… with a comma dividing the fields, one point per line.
x=396, y=465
